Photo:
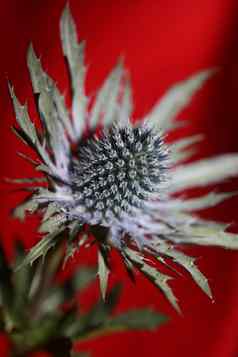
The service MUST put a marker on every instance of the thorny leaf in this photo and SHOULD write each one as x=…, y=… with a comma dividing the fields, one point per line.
x=107, y=99
x=204, y=172
x=208, y=236
x=179, y=149
x=188, y=263
x=137, y=319
x=22, y=280
x=52, y=224
x=126, y=108
x=193, y=204
x=50, y=211
x=175, y=100
x=103, y=273
x=159, y=279
x=30, y=180
x=29, y=205
x=74, y=53
x=74, y=242
x=42, y=248
x=29, y=130
x=43, y=86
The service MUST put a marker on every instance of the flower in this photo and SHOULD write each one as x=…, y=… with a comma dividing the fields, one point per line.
x=118, y=180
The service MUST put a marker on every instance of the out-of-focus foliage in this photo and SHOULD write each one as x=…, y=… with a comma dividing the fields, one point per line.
x=39, y=312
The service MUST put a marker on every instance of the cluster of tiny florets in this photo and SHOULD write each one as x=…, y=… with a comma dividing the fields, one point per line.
x=116, y=172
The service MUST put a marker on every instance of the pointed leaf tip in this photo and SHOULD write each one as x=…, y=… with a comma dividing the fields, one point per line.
x=74, y=54
x=103, y=273
x=158, y=279
x=176, y=99
x=204, y=172
x=188, y=263
x=41, y=249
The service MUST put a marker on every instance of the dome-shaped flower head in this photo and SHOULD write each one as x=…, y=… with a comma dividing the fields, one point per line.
x=107, y=177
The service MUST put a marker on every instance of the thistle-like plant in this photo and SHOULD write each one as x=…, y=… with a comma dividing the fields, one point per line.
x=107, y=177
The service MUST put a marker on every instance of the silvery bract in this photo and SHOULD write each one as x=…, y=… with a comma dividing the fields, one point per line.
x=117, y=181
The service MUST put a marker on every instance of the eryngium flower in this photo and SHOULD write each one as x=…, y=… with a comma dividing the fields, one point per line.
x=118, y=181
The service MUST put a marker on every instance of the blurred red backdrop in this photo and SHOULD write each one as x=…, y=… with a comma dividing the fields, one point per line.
x=162, y=41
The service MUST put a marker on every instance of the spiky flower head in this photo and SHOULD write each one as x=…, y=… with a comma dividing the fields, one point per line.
x=120, y=181
x=115, y=175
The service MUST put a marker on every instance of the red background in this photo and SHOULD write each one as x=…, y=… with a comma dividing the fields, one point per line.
x=163, y=41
